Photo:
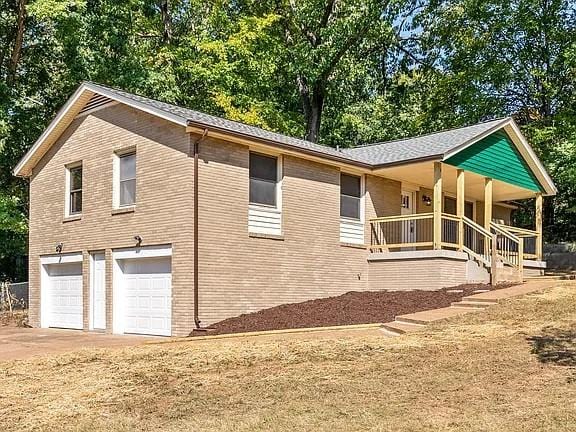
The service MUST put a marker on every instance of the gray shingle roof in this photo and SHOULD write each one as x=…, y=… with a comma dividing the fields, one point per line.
x=191, y=116
x=392, y=152
x=421, y=147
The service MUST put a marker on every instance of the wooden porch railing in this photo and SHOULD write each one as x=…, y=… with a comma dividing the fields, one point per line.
x=417, y=231
x=399, y=232
x=477, y=241
x=530, y=239
x=508, y=247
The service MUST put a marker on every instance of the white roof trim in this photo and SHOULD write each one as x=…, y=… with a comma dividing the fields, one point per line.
x=523, y=147
x=24, y=168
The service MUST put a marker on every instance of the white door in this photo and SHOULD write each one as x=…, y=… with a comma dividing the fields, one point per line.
x=408, y=227
x=147, y=291
x=98, y=291
x=64, y=295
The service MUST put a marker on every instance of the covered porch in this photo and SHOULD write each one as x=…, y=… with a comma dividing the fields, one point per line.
x=445, y=206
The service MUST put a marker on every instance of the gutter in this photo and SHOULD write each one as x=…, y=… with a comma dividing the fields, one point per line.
x=436, y=158
x=196, y=145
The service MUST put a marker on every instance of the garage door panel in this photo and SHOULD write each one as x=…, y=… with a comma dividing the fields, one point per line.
x=147, y=286
x=64, y=295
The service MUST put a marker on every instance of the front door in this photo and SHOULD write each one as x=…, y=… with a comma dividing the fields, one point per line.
x=409, y=226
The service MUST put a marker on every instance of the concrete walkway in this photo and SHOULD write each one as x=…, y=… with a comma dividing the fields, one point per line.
x=417, y=321
x=21, y=343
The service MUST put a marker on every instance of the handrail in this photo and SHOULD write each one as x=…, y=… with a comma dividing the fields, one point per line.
x=403, y=217
x=478, y=242
x=476, y=226
x=496, y=227
x=509, y=248
x=517, y=230
x=451, y=217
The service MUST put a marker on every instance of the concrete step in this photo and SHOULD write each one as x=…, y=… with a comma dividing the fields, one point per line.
x=411, y=321
x=479, y=299
x=399, y=328
x=471, y=304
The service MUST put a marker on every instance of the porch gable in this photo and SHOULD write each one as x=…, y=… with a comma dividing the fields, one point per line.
x=496, y=156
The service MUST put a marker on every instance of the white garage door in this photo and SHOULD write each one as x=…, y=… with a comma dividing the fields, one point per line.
x=147, y=288
x=64, y=294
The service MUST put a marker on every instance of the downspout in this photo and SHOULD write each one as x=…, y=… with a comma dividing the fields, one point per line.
x=196, y=145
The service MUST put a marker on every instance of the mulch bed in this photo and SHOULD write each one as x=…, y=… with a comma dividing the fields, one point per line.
x=350, y=308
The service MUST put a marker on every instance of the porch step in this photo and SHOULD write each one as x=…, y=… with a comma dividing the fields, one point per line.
x=471, y=304
x=398, y=328
x=476, y=299
x=410, y=320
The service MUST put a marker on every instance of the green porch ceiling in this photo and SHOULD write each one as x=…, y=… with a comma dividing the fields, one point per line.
x=497, y=157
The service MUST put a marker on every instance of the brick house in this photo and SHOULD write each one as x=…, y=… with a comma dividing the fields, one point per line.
x=149, y=218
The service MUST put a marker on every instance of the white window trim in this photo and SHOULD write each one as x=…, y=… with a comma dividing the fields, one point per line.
x=275, y=212
x=116, y=178
x=362, y=196
x=357, y=225
x=68, y=167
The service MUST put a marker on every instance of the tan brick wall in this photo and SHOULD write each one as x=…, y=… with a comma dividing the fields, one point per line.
x=239, y=273
x=164, y=200
x=423, y=274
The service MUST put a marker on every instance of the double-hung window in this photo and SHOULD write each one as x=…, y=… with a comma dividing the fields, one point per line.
x=126, y=179
x=74, y=190
x=350, y=196
x=263, y=180
x=351, y=215
x=265, y=195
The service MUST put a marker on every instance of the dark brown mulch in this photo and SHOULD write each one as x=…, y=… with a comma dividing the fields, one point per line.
x=350, y=308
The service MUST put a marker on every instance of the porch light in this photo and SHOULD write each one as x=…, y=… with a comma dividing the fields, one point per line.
x=427, y=200
x=138, y=240
x=59, y=247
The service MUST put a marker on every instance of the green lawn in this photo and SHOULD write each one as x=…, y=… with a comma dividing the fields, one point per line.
x=479, y=372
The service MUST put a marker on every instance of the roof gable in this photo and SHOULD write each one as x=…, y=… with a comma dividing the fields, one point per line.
x=497, y=157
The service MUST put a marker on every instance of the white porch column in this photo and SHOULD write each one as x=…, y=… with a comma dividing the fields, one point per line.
x=460, y=205
x=437, y=209
x=539, y=206
x=487, y=203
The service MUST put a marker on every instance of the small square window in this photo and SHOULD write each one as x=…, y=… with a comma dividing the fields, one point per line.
x=127, y=180
x=75, y=190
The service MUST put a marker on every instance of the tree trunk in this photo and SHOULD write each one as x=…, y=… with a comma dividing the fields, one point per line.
x=17, y=48
x=166, y=21
x=315, y=116
x=312, y=105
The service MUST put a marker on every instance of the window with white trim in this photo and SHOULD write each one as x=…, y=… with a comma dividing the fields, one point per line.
x=74, y=190
x=351, y=211
x=126, y=179
x=350, y=196
x=265, y=194
x=263, y=179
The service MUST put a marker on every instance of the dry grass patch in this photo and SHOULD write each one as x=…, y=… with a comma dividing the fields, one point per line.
x=478, y=372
